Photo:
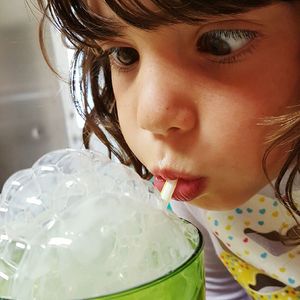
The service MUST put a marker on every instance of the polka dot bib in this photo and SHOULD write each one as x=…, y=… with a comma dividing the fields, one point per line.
x=260, y=247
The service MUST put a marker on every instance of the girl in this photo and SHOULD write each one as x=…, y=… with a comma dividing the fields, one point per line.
x=195, y=91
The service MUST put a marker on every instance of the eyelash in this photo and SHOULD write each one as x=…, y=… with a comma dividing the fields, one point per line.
x=113, y=64
x=235, y=34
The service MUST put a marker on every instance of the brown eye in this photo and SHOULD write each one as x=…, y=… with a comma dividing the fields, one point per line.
x=124, y=56
x=215, y=46
x=224, y=42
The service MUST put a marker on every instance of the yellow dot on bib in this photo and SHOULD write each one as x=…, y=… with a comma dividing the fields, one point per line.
x=228, y=227
x=291, y=255
x=275, y=214
x=230, y=218
x=284, y=225
x=282, y=270
x=262, y=199
x=246, y=252
x=247, y=223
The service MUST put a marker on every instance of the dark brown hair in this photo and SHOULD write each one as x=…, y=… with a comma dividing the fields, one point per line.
x=82, y=28
x=287, y=134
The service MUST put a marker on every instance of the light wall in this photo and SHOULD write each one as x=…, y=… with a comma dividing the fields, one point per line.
x=36, y=112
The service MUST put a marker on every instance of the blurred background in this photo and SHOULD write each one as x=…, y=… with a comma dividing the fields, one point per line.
x=36, y=112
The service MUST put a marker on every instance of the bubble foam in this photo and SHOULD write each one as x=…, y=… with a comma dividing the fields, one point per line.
x=78, y=225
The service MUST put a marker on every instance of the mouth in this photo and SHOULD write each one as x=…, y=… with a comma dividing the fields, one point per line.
x=187, y=188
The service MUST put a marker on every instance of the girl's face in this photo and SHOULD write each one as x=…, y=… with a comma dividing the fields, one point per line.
x=190, y=99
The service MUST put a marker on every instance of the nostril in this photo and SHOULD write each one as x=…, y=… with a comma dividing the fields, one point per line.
x=166, y=122
x=173, y=129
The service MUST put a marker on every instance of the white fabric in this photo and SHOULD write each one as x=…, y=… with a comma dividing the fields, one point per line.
x=220, y=285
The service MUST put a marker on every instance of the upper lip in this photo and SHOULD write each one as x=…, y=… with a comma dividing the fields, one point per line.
x=172, y=174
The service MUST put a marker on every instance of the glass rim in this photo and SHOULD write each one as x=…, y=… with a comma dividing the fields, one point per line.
x=160, y=279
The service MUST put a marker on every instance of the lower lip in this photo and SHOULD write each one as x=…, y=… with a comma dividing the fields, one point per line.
x=186, y=190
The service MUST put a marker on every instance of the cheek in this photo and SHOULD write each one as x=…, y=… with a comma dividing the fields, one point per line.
x=127, y=122
x=233, y=131
x=125, y=101
x=126, y=109
x=278, y=83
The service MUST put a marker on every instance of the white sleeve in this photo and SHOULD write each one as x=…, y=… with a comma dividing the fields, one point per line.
x=220, y=285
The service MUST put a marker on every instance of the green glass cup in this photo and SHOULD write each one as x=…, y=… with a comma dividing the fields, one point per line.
x=187, y=282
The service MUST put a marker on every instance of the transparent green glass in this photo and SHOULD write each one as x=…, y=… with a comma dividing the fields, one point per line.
x=187, y=282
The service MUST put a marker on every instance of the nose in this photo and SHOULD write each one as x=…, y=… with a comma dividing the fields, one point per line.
x=165, y=100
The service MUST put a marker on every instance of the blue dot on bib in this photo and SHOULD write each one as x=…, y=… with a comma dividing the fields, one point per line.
x=291, y=280
x=262, y=211
x=264, y=255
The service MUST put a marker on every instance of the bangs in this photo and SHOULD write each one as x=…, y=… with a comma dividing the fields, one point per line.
x=164, y=12
x=82, y=25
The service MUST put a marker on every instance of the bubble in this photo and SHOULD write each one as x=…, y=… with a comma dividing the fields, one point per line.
x=78, y=225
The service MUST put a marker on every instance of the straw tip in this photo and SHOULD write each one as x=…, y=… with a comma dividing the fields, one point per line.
x=168, y=190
